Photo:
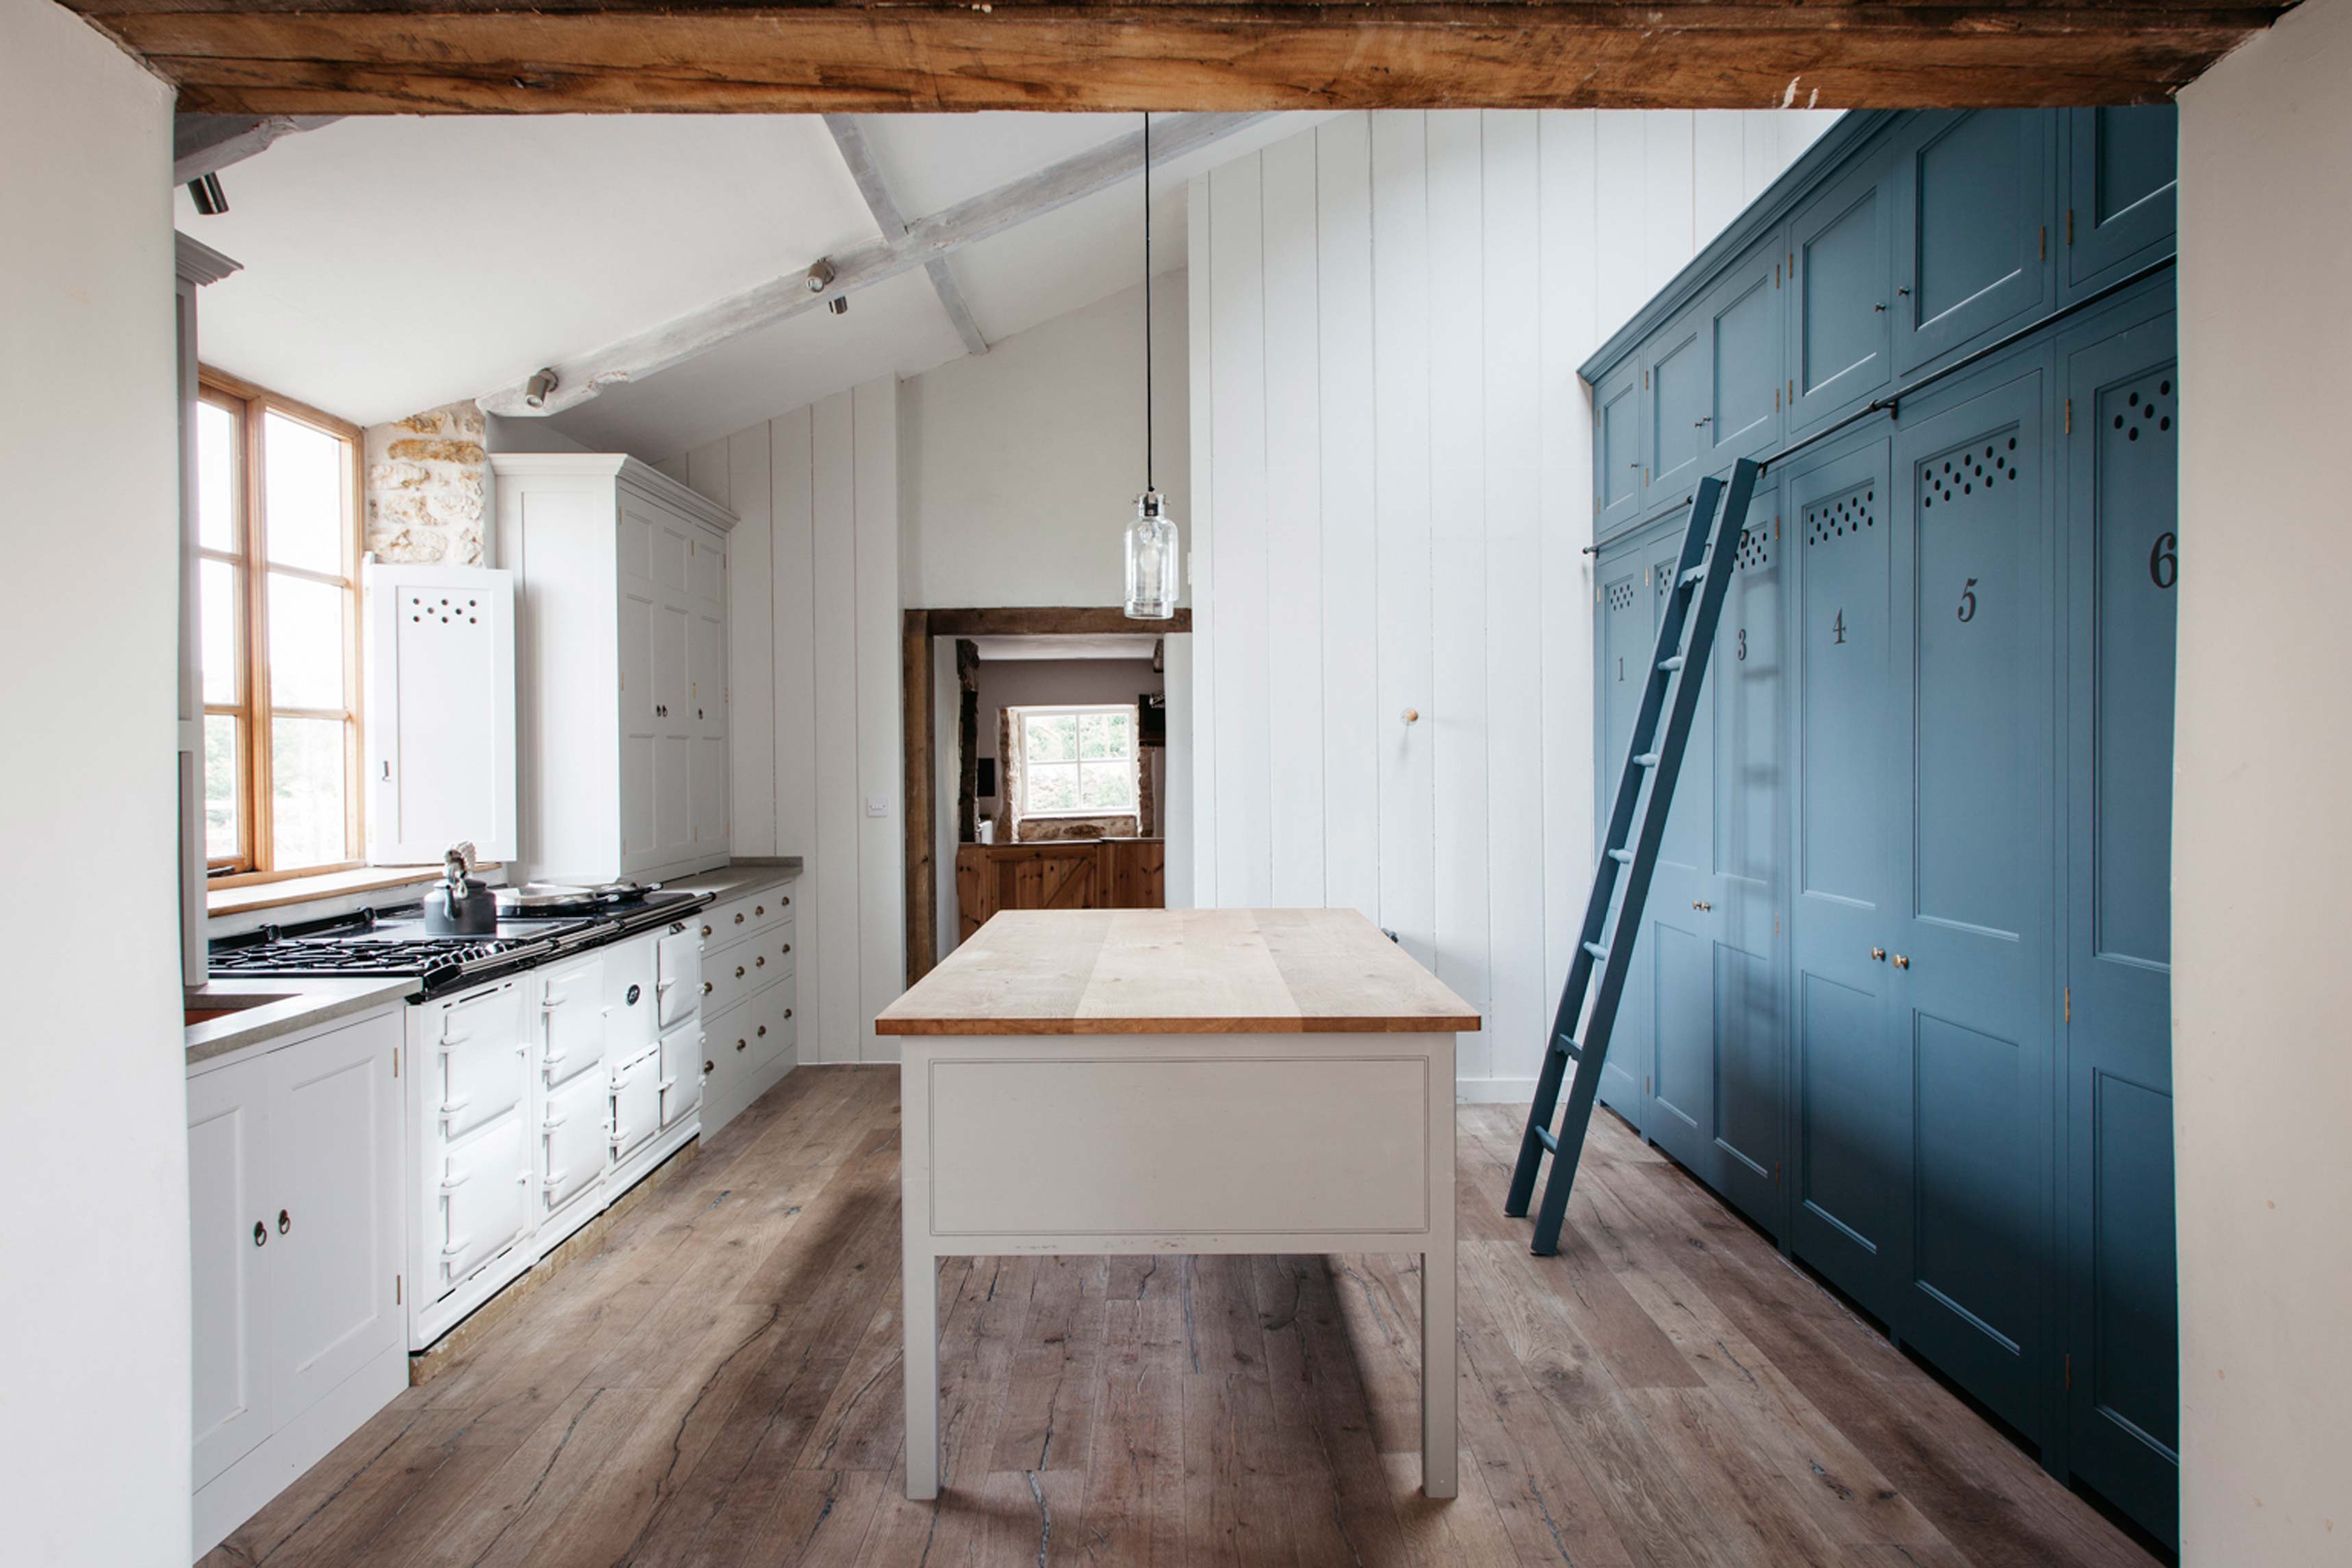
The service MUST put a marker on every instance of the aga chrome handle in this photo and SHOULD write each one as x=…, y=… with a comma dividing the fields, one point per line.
x=451, y=1184
x=457, y=1248
x=451, y=1106
x=556, y=1179
x=552, y=1057
x=1901, y=962
x=667, y=1084
x=556, y=1120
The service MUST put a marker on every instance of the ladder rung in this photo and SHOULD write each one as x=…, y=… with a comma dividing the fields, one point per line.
x=1694, y=575
x=1568, y=1048
x=1622, y=856
x=1597, y=951
x=1544, y=1136
x=1675, y=662
x=1646, y=760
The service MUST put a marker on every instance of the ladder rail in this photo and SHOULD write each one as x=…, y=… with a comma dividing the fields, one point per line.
x=1630, y=778
x=1566, y=1145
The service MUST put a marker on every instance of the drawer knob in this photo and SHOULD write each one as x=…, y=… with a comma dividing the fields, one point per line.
x=760, y=961
x=759, y=909
x=763, y=1031
x=739, y=917
x=783, y=903
x=706, y=931
x=738, y=1045
x=787, y=1011
x=1901, y=962
x=705, y=986
x=710, y=1066
x=739, y=972
x=788, y=947
x=1879, y=953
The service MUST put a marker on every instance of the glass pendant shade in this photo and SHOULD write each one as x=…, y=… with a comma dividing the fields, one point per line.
x=1151, y=587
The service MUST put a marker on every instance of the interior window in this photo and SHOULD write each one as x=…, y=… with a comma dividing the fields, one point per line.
x=278, y=533
x=1078, y=762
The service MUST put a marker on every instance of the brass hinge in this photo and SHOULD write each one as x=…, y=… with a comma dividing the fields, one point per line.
x=1792, y=392
x=395, y=1061
x=1776, y=400
x=2070, y=416
x=2070, y=225
x=1776, y=525
x=1776, y=923
x=1776, y=1172
x=1645, y=1084
x=2070, y=1369
x=1646, y=573
x=2070, y=1003
x=1776, y=274
x=1646, y=378
x=395, y=1290
x=2045, y=242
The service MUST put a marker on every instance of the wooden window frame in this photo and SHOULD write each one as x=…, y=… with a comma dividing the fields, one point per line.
x=1024, y=713
x=257, y=861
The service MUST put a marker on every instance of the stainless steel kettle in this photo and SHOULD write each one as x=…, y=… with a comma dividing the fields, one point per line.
x=461, y=905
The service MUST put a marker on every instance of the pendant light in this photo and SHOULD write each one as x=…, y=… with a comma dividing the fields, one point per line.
x=1151, y=585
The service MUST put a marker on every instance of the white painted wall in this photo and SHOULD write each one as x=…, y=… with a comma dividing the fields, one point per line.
x=94, y=1388
x=1019, y=468
x=2263, y=1009
x=812, y=690
x=1392, y=485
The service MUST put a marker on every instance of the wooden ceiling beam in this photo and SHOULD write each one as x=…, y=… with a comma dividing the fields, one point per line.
x=494, y=57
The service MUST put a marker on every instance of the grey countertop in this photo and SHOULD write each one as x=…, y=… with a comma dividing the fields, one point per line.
x=301, y=1005
x=305, y=1003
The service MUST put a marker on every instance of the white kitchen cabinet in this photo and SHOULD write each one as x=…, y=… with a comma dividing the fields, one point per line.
x=295, y=1233
x=621, y=661
x=440, y=747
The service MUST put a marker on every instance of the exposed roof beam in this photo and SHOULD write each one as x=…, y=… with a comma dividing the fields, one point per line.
x=507, y=57
x=859, y=155
x=923, y=241
x=206, y=144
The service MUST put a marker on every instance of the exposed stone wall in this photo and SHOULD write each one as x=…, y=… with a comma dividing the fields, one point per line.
x=427, y=487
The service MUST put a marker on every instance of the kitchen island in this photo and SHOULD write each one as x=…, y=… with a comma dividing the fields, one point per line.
x=1084, y=1081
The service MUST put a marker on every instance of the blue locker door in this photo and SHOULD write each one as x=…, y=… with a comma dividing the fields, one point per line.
x=1843, y=269
x=1973, y=194
x=1626, y=630
x=2123, y=506
x=1676, y=954
x=1974, y=987
x=1617, y=449
x=2121, y=169
x=1751, y=798
x=1745, y=332
x=1677, y=387
x=1851, y=1135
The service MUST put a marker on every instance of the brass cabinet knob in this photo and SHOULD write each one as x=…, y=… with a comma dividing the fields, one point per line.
x=706, y=985
x=1879, y=953
x=739, y=972
x=1901, y=962
x=758, y=909
x=783, y=903
x=710, y=1066
x=788, y=947
x=740, y=1045
x=763, y=1031
x=739, y=917
x=760, y=961
x=787, y=1011
x=706, y=931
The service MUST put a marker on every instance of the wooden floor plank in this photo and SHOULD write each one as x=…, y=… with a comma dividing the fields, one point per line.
x=718, y=1384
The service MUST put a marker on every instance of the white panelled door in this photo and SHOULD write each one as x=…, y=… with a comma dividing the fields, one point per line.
x=228, y=1116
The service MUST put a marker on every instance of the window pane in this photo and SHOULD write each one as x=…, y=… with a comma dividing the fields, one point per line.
x=1050, y=738
x=304, y=517
x=222, y=760
x=1053, y=787
x=220, y=453
x=306, y=761
x=1105, y=734
x=1106, y=787
x=306, y=643
x=219, y=615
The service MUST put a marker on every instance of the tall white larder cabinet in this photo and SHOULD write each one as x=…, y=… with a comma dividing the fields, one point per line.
x=621, y=664
x=440, y=751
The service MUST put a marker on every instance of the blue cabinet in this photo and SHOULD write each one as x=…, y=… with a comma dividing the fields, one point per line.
x=1617, y=450
x=1741, y=318
x=1840, y=256
x=1675, y=391
x=1972, y=254
x=2122, y=563
x=2122, y=168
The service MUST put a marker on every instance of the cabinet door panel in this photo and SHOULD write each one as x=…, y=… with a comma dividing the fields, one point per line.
x=335, y=1163
x=1839, y=351
x=1972, y=252
x=1627, y=630
x=1973, y=693
x=2123, y=168
x=682, y=1073
x=1617, y=450
x=1745, y=330
x=1678, y=372
x=2122, y=489
x=1678, y=964
x=228, y=1117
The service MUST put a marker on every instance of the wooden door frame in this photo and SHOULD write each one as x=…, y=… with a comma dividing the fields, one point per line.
x=920, y=632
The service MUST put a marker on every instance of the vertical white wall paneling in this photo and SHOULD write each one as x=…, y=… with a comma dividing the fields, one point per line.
x=1400, y=329
x=751, y=643
x=1178, y=819
x=1294, y=577
x=833, y=736
x=1350, y=728
x=947, y=785
x=707, y=471
x=1570, y=285
x=1239, y=608
x=881, y=756
x=1454, y=722
x=1668, y=219
x=1199, y=588
x=792, y=461
x=1412, y=306
x=1511, y=617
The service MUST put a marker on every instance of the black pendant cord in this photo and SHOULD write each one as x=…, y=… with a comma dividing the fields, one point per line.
x=1146, y=302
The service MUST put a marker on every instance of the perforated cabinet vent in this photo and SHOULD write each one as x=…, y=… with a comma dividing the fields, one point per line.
x=1842, y=516
x=1755, y=550
x=2148, y=409
x=445, y=609
x=1968, y=471
x=1620, y=594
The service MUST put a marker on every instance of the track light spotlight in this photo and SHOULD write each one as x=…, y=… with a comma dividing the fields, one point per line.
x=210, y=199
x=535, y=391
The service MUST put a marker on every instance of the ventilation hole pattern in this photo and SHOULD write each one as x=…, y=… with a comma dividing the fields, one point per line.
x=1968, y=471
x=2148, y=410
x=428, y=607
x=1620, y=594
x=1755, y=551
x=1663, y=578
x=1841, y=516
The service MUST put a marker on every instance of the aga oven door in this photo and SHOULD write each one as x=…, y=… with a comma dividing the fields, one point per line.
x=480, y=1060
x=572, y=1008
x=573, y=1140
x=636, y=1102
x=485, y=1203
x=680, y=960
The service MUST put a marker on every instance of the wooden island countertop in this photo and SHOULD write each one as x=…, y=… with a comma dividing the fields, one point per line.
x=1178, y=972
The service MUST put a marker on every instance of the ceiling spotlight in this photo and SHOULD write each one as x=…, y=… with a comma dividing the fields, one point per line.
x=210, y=199
x=535, y=391
x=821, y=276
x=838, y=304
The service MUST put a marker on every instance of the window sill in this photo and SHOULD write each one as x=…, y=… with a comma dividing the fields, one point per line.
x=326, y=885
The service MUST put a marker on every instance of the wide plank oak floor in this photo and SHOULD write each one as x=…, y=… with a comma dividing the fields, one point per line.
x=719, y=1385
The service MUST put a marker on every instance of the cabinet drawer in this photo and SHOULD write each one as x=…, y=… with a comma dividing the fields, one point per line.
x=748, y=916
x=744, y=968
x=573, y=1141
x=776, y=1029
x=483, y=1202
x=682, y=1073
x=637, y=1103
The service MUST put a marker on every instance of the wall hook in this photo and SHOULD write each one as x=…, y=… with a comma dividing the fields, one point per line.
x=1412, y=715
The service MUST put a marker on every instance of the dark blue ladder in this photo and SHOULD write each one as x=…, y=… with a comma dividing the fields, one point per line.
x=1679, y=666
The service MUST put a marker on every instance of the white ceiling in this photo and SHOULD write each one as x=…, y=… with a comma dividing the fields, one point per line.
x=395, y=264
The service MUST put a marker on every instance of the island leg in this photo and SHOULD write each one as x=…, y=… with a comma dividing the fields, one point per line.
x=1440, y=1439
x=921, y=1364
